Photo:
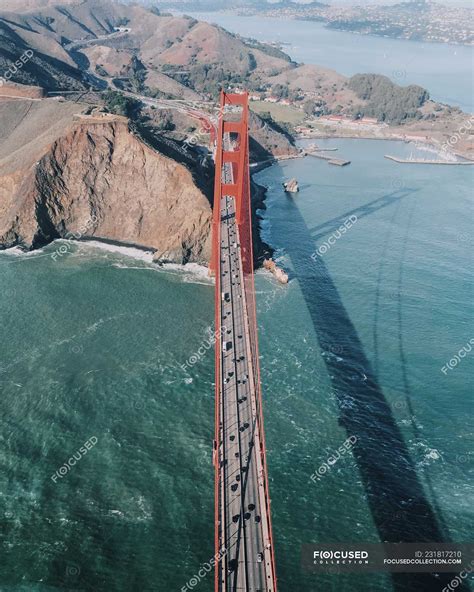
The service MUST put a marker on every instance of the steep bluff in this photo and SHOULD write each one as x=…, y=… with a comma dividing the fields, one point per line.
x=98, y=180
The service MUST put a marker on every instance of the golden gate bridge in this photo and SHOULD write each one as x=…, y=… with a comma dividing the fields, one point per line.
x=243, y=532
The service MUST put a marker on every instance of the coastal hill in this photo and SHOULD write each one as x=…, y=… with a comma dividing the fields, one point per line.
x=65, y=173
x=64, y=163
x=134, y=42
x=106, y=44
x=71, y=170
x=128, y=161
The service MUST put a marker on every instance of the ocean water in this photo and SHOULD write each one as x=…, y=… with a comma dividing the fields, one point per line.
x=94, y=345
x=361, y=337
x=445, y=70
x=100, y=346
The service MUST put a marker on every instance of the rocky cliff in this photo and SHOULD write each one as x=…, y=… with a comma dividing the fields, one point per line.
x=96, y=179
x=268, y=140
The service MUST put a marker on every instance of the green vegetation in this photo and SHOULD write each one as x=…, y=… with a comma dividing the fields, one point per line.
x=119, y=104
x=208, y=78
x=137, y=75
x=363, y=26
x=385, y=100
x=192, y=21
x=280, y=91
x=318, y=107
x=156, y=93
x=166, y=123
x=100, y=70
x=281, y=127
x=252, y=62
x=309, y=107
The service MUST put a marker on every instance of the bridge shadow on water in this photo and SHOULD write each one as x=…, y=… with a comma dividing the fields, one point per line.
x=395, y=494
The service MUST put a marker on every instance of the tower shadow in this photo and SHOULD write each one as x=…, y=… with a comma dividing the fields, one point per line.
x=360, y=212
x=395, y=495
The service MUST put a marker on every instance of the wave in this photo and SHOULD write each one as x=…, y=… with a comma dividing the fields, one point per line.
x=132, y=252
x=191, y=272
x=19, y=252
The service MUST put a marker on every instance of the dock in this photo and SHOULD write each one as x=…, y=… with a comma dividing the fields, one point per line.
x=424, y=161
x=339, y=161
x=330, y=159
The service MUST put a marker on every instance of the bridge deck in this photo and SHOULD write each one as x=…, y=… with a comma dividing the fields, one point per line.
x=247, y=565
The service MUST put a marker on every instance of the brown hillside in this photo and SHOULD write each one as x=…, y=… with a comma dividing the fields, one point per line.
x=85, y=35
x=206, y=44
x=91, y=176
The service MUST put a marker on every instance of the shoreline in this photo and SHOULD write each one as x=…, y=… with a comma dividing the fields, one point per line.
x=259, y=166
x=124, y=249
x=145, y=253
x=428, y=142
x=327, y=25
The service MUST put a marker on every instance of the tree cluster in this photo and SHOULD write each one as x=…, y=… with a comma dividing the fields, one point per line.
x=117, y=103
x=385, y=100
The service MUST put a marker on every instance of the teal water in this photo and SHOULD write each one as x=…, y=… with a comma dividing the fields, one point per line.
x=93, y=346
x=445, y=70
x=370, y=326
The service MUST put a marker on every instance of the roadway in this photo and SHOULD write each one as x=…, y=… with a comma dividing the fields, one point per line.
x=243, y=521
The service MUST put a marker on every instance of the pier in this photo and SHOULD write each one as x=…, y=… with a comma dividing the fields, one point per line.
x=330, y=159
